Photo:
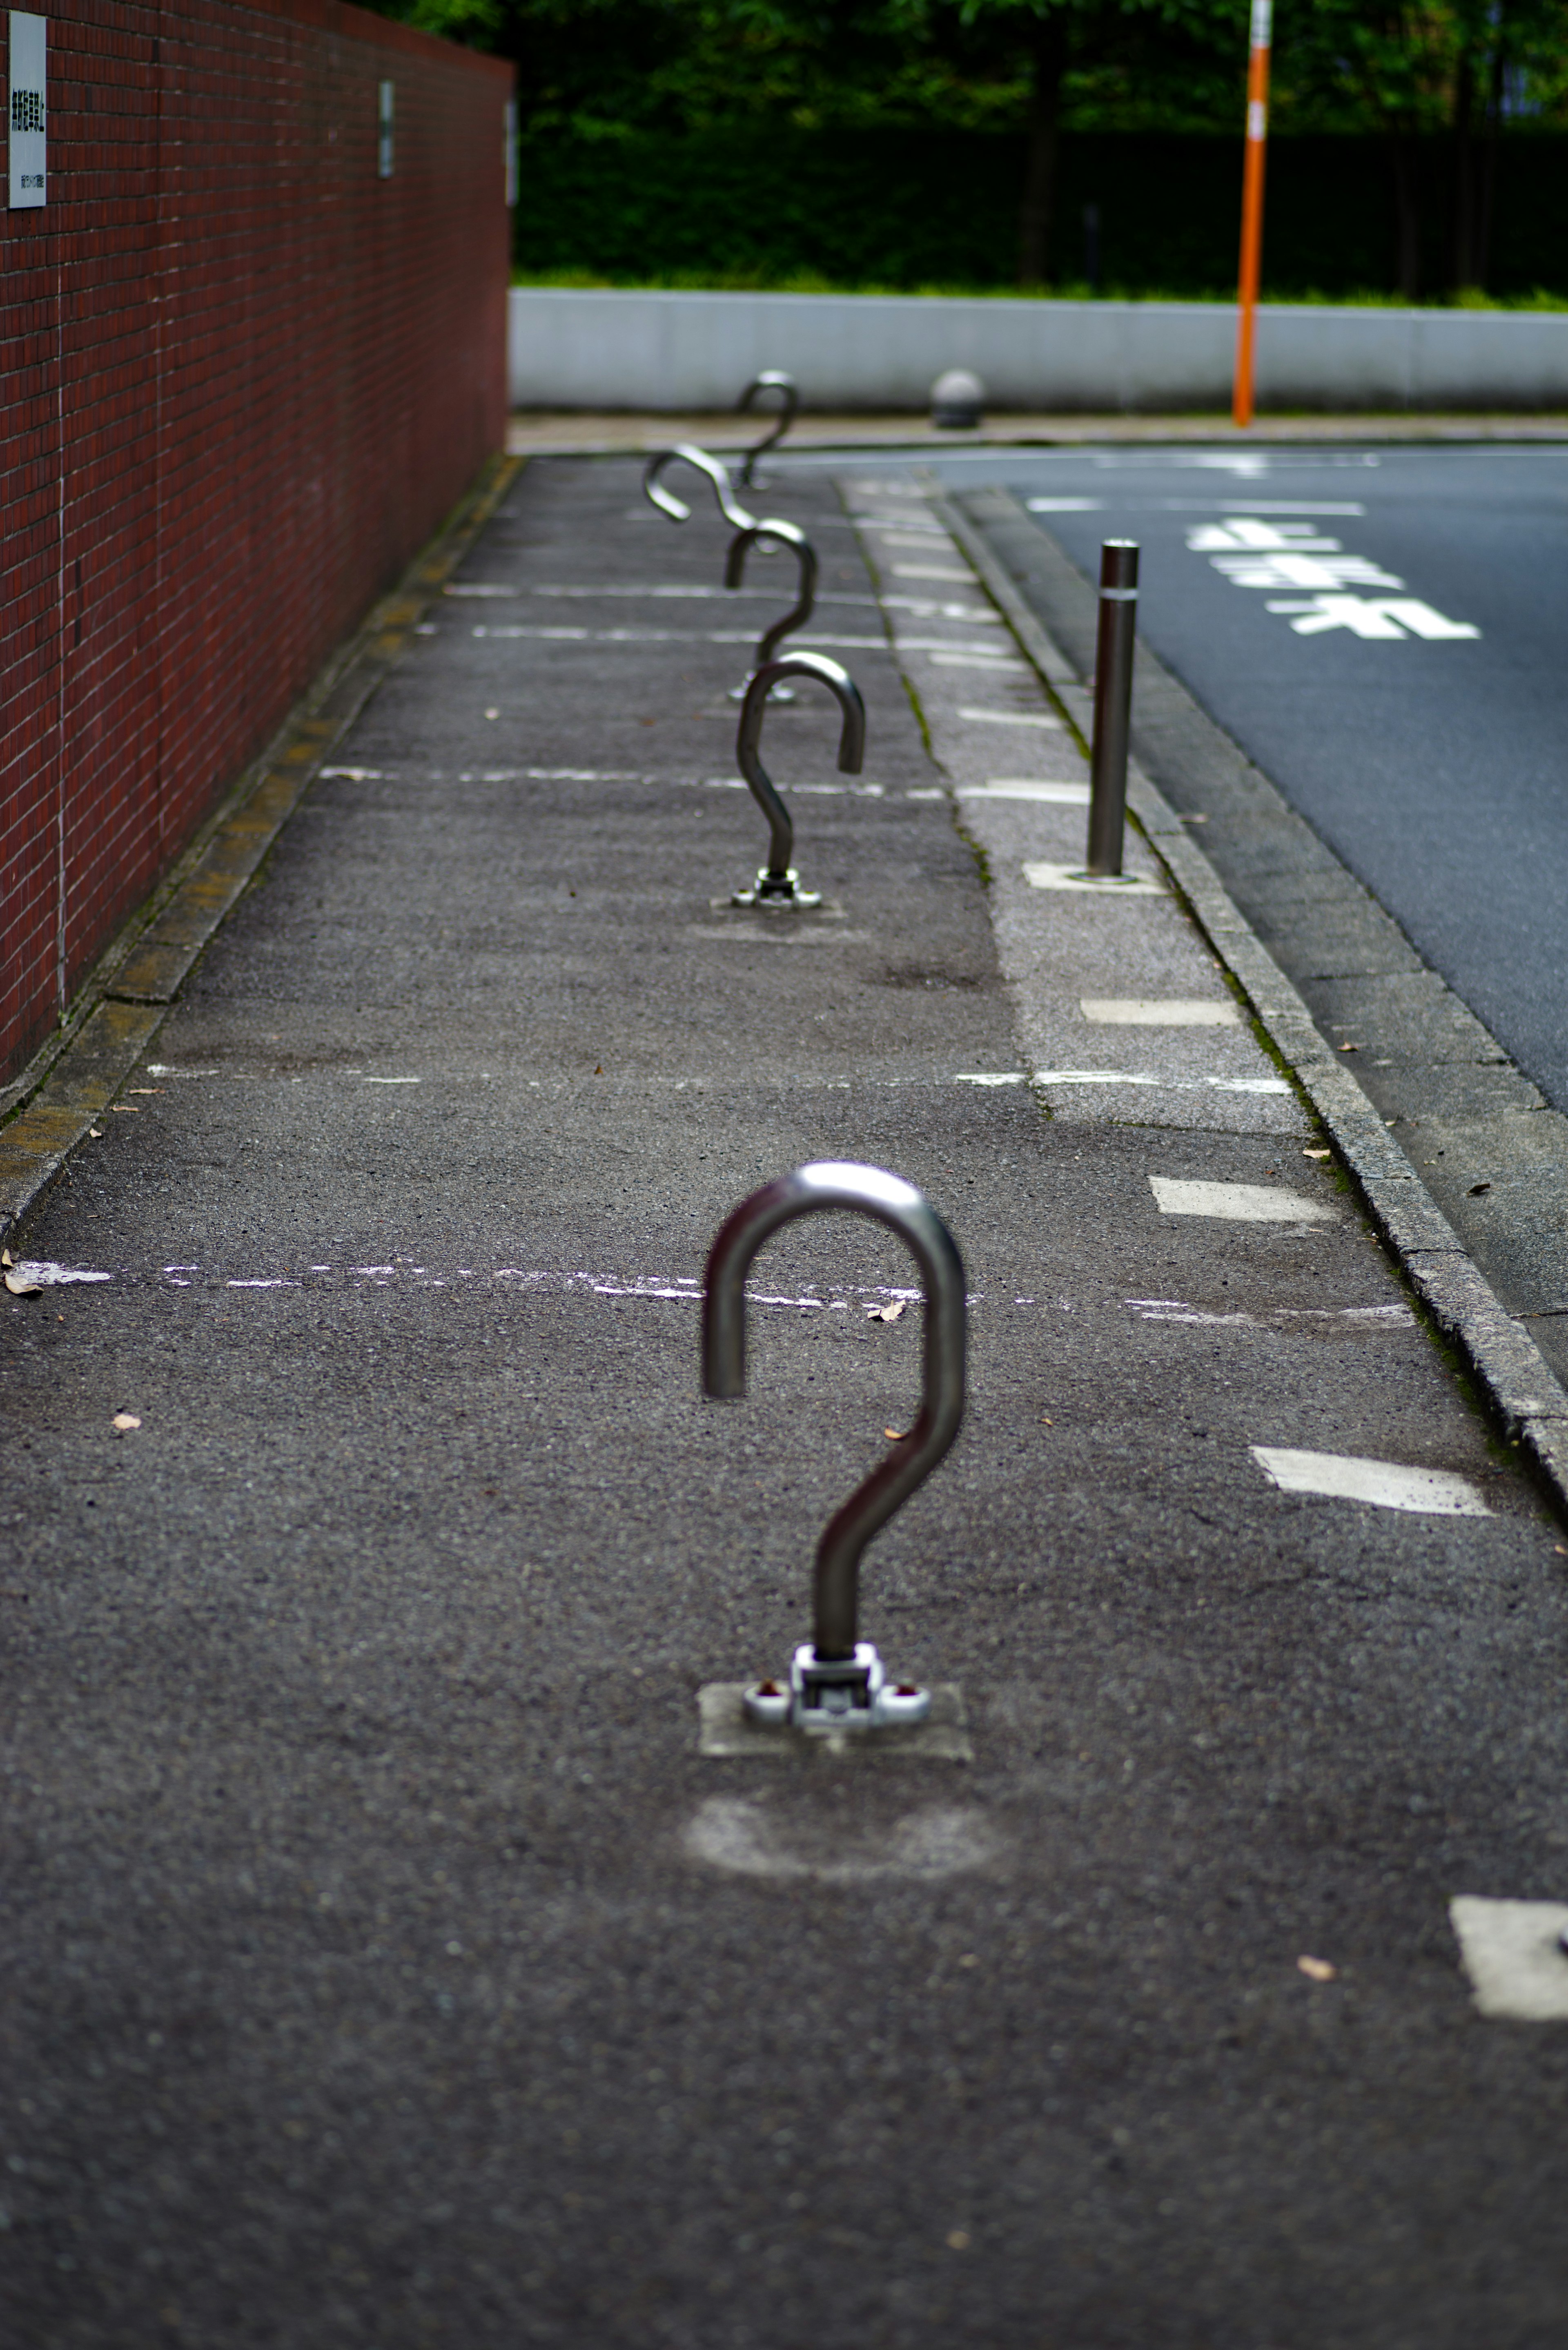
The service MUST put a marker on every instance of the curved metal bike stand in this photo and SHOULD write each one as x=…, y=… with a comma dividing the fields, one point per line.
x=837, y=1679
x=777, y=882
x=785, y=535
x=687, y=452
x=771, y=379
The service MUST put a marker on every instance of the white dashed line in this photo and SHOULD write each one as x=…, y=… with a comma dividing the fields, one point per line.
x=1385, y=1484
x=999, y=664
x=1513, y=1955
x=1016, y=788
x=1011, y=718
x=1245, y=1203
x=1149, y=1012
x=54, y=1277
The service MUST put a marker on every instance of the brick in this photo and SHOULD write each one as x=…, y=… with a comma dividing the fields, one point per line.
x=246, y=380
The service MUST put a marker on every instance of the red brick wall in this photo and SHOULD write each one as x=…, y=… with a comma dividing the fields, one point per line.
x=243, y=379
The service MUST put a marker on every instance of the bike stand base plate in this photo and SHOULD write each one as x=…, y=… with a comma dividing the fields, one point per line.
x=724, y=1728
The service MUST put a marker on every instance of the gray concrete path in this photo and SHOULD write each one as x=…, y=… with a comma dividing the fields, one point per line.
x=385, y=1963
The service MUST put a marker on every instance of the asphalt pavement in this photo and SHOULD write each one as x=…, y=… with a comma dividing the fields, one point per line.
x=386, y=1964
x=1424, y=750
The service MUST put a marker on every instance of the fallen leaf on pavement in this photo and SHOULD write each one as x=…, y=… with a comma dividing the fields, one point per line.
x=897, y=1435
x=1316, y=1154
x=19, y=1284
x=124, y=1421
x=886, y=1312
x=1047, y=1421
x=1350, y=1048
x=125, y=1109
x=1477, y=1188
x=1317, y=1969
x=95, y=1134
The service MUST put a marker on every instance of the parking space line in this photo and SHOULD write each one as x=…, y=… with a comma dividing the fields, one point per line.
x=1385, y=1484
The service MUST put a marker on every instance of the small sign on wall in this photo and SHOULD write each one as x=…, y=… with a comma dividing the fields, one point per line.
x=386, y=101
x=29, y=138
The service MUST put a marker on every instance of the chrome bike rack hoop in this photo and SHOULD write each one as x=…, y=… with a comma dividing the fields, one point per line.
x=771, y=379
x=837, y=1679
x=782, y=535
x=777, y=882
x=687, y=452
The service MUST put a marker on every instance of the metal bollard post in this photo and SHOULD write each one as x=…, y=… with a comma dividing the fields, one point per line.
x=1112, y=706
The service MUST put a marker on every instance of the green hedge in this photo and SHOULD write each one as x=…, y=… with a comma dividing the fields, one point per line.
x=899, y=208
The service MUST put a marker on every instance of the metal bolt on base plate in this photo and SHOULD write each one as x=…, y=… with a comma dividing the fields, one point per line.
x=776, y=890
x=842, y=1693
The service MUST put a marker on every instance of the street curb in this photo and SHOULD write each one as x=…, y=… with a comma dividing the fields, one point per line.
x=128, y=996
x=1525, y=1394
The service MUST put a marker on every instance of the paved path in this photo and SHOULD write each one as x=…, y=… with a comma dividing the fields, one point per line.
x=386, y=1964
x=1425, y=750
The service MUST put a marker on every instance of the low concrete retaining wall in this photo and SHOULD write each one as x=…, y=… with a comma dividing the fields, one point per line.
x=878, y=351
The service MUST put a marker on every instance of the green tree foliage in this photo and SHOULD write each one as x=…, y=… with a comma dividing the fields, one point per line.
x=606, y=69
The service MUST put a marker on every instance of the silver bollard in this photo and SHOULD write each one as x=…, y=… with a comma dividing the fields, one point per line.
x=1113, y=707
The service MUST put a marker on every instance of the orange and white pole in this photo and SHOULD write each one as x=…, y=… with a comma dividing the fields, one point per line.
x=1252, y=207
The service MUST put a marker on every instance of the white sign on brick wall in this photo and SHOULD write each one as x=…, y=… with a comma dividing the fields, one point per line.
x=29, y=136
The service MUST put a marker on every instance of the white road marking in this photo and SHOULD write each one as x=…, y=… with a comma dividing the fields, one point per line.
x=1011, y=718
x=683, y=637
x=1399, y=617
x=999, y=664
x=1176, y=1309
x=1261, y=506
x=1015, y=787
x=168, y=1069
x=394, y=1081
x=1150, y=1012
x=687, y=591
x=1388, y=1485
x=54, y=1277
x=477, y=587
x=1073, y=876
x=1064, y=505
x=927, y=607
x=1246, y=1203
x=988, y=1077
x=556, y=775
x=354, y=774
x=1169, y=1085
x=1513, y=1956
x=931, y=571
